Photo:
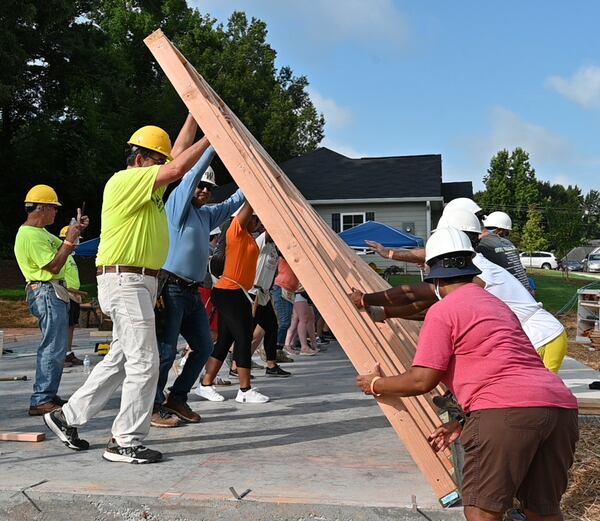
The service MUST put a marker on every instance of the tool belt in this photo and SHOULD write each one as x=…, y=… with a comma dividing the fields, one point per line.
x=171, y=278
x=126, y=269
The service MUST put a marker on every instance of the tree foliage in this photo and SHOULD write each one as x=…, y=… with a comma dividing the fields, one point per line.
x=568, y=218
x=77, y=80
x=534, y=237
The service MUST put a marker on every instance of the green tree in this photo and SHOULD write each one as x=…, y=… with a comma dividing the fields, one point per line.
x=510, y=185
x=563, y=213
x=533, y=237
x=77, y=80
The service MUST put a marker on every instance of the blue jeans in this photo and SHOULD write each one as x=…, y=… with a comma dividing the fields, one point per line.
x=53, y=319
x=284, y=309
x=185, y=314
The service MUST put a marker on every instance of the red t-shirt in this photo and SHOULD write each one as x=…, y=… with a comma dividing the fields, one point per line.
x=488, y=361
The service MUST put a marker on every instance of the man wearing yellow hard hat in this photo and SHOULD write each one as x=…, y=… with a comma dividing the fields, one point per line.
x=75, y=295
x=41, y=257
x=134, y=241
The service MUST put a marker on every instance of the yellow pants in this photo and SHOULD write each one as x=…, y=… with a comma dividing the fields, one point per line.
x=554, y=352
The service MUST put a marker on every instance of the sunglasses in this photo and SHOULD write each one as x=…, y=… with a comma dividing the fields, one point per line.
x=202, y=186
x=455, y=262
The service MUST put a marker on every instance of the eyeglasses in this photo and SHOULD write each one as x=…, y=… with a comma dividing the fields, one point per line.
x=202, y=186
x=158, y=160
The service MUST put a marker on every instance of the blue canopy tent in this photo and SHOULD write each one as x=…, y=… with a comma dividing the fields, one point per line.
x=88, y=248
x=382, y=233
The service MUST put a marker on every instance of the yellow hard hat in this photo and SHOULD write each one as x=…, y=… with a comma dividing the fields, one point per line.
x=152, y=138
x=63, y=232
x=42, y=194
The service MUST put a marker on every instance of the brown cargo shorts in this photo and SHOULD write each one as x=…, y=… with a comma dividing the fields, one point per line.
x=520, y=452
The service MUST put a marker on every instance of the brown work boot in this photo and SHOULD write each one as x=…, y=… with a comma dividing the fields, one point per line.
x=182, y=410
x=72, y=359
x=163, y=418
x=43, y=408
x=58, y=400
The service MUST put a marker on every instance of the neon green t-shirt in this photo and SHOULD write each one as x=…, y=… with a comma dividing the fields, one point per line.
x=72, y=274
x=134, y=229
x=35, y=248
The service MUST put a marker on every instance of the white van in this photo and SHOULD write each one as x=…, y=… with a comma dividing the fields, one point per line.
x=539, y=259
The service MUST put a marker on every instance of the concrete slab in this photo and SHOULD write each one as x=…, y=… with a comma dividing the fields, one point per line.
x=578, y=377
x=318, y=443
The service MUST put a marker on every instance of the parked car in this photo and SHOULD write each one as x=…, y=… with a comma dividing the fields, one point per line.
x=593, y=263
x=539, y=259
x=571, y=265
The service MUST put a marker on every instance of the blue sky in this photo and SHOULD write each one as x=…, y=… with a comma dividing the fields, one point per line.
x=463, y=79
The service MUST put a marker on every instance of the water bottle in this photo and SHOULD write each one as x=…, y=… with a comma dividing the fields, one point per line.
x=87, y=365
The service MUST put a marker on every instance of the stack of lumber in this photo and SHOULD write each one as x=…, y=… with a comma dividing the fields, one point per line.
x=325, y=265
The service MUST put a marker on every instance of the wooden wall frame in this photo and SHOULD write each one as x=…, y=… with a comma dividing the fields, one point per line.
x=325, y=265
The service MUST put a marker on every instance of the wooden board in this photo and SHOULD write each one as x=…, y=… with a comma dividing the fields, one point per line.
x=589, y=406
x=325, y=265
x=22, y=436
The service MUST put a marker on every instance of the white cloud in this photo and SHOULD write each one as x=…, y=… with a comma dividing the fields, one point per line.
x=336, y=117
x=510, y=131
x=341, y=148
x=583, y=88
x=554, y=157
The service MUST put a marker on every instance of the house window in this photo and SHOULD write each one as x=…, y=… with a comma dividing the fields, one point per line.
x=350, y=220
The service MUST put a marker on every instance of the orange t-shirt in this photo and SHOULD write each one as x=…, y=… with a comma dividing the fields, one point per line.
x=241, y=254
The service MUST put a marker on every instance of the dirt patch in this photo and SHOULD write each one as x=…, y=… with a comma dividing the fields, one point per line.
x=582, y=499
x=15, y=313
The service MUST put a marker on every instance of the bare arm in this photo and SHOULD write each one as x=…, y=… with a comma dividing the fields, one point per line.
x=416, y=256
x=417, y=380
x=186, y=136
x=177, y=168
x=73, y=233
x=245, y=215
x=414, y=311
x=403, y=295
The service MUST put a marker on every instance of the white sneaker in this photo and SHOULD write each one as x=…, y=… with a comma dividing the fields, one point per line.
x=251, y=396
x=208, y=392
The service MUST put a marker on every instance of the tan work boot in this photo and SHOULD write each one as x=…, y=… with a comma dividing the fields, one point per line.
x=163, y=418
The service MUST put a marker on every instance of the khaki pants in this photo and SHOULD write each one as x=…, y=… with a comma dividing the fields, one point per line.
x=128, y=299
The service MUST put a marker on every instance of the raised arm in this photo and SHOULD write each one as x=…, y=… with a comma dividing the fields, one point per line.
x=416, y=256
x=177, y=168
x=186, y=136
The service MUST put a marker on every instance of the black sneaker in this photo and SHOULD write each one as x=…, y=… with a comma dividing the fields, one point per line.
x=277, y=371
x=233, y=373
x=57, y=423
x=137, y=454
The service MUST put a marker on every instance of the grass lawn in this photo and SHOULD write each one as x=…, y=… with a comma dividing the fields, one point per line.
x=552, y=288
x=19, y=293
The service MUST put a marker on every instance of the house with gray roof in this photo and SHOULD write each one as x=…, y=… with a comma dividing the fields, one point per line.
x=405, y=192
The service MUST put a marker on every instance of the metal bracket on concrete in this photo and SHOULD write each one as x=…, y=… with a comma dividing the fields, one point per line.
x=241, y=496
x=22, y=491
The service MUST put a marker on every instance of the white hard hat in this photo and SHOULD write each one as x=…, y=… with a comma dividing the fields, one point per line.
x=209, y=177
x=446, y=241
x=498, y=220
x=463, y=203
x=460, y=219
x=449, y=254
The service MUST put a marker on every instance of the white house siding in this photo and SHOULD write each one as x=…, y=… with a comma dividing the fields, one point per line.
x=393, y=214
